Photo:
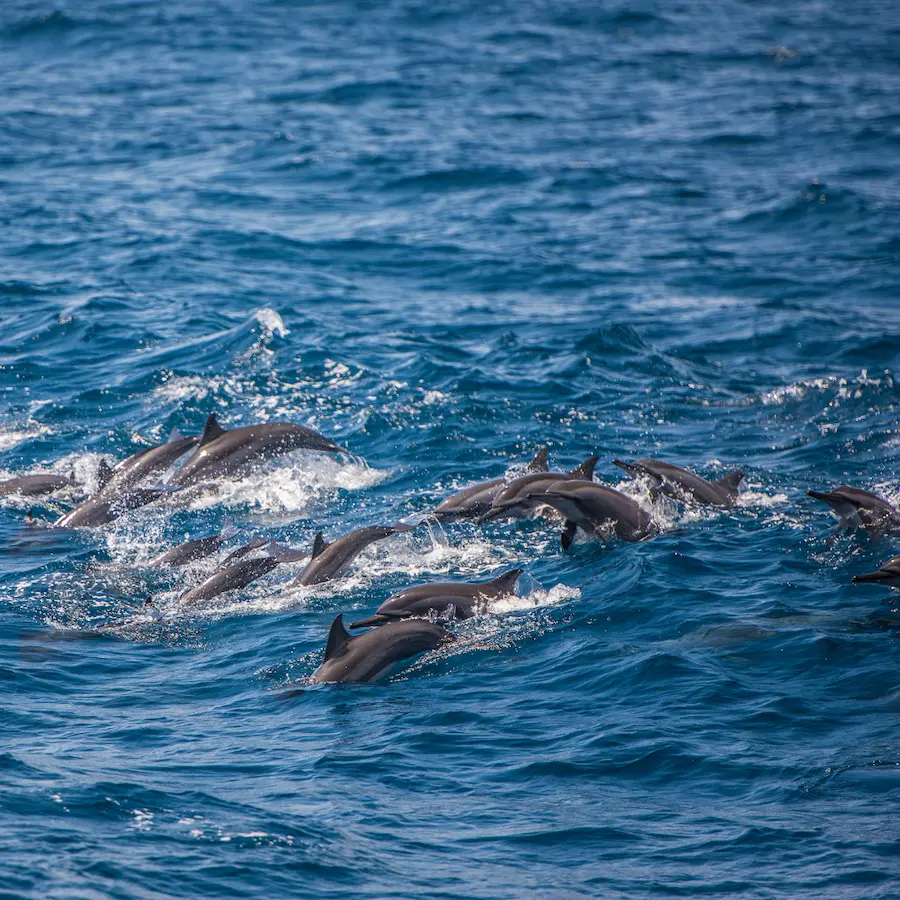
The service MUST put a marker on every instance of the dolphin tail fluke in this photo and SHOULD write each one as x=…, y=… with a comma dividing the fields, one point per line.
x=539, y=463
x=284, y=554
x=230, y=530
x=586, y=470
x=338, y=638
x=371, y=621
x=568, y=534
x=211, y=431
x=732, y=480
x=505, y=583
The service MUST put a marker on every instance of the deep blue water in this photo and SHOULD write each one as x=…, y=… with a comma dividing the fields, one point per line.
x=444, y=234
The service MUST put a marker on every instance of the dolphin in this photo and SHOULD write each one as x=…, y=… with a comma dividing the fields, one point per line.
x=888, y=574
x=462, y=599
x=190, y=551
x=524, y=494
x=253, y=544
x=228, y=454
x=240, y=574
x=855, y=508
x=476, y=499
x=596, y=508
x=682, y=484
x=99, y=510
x=371, y=655
x=35, y=485
x=152, y=461
x=331, y=560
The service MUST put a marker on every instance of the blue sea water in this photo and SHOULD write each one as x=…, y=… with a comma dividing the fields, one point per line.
x=444, y=234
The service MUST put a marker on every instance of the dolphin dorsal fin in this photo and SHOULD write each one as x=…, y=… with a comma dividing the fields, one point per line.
x=586, y=469
x=338, y=638
x=211, y=431
x=539, y=463
x=174, y=435
x=506, y=581
x=732, y=480
x=319, y=544
x=104, y=473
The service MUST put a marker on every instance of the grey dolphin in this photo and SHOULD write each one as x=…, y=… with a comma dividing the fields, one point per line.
x=888, y=574
x=477, y=499
x=253, y=544
x=143, y=464
x=331, y=560
x=462, y=598
x=595, y=508
x=855, y=508
x=240, y=574
x=373, y=654
x=99, y=510
x=199, y=548
x=222, y=453
x=523, y=494
x=682, y=484
x=35, y=485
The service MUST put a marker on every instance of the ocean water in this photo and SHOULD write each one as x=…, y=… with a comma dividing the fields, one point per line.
x=444, y=234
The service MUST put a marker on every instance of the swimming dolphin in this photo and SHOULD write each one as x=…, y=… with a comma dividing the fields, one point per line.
x=462, y=599
x=198, y=548
x=240, y=574
x=227, y=454
x=855, y=508
x=596, y=508
x=477, y=499
x=140, y=465
x=888, y=574
x=35, y=485
x=99, y=510
x=523, y=494
x=331, y=560
x=371, y=655
x=681, y=484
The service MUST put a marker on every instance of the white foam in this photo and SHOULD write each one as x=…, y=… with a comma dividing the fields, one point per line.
x=11, y=435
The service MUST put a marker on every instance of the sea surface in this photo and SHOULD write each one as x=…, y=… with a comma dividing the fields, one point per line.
x=444, y=234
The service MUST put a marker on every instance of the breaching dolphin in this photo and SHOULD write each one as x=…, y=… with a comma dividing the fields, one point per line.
x=240, y=574
x=524, y=494
x=98, y=510
x=152, y=461
x=228, y=454
x=462, y=599
x=855, y=508
x=373, y=654
x=598, y=509
x=888, y=574
x=477, y=499
x=190, y=551
x=35, y=485
x=331, y=560
x=681, y=484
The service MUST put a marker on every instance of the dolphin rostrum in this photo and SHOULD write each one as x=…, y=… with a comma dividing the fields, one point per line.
x=476, y=499
x=134, y=469
x=888, y=574
x=524, y=494
x=462, y=599
x=681, y=484
x=240, y=574
x=35, y=485
x=855, y=508
x=331, y=560
x=190, y=551
x=597, y=509
x=226, y=454
x=373, y=654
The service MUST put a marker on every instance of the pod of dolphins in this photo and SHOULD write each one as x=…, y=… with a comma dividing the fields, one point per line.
x=409, y=622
